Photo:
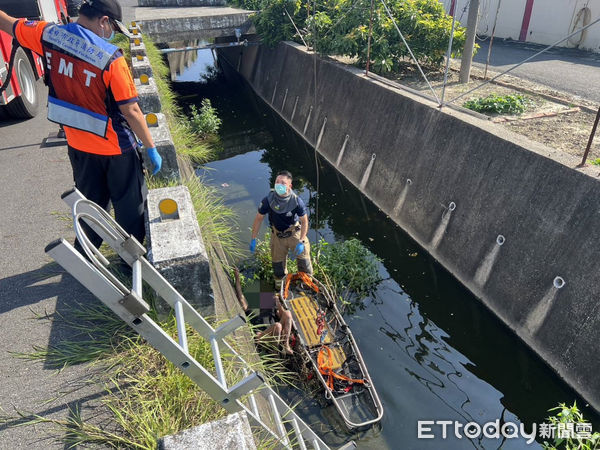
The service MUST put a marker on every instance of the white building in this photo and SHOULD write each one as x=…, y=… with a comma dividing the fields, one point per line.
x=539, y=21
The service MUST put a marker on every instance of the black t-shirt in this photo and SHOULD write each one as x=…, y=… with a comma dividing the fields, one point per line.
x=282, y=221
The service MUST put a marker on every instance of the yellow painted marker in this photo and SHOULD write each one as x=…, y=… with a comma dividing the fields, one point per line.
x=167, y=206
x=152, y=120
x=144, y=79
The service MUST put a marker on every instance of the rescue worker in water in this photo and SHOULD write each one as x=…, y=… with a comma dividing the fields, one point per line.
x=289, y=225
x=91, y=92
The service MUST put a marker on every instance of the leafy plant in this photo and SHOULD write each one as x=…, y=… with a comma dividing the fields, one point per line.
x=595, y=162
x=571, y=421
x=341, y=27
x=498, y=104
x=351, y=268
x=348, y=268
x=204, y=122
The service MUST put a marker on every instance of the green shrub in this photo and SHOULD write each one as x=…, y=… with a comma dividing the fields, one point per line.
x=498, y=104
x=595, y=162
x=348, y=268
x=571, y=416
x=341, y=27
x=204, y=122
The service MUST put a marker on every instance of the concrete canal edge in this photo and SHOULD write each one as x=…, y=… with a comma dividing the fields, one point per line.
x=509, y=218
x=177, y=250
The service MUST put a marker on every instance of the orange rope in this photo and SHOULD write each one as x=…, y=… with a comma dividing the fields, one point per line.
x=298, y=276
x=327, y=370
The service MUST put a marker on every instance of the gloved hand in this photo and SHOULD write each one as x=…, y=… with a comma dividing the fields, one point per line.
x=155, y=159
x=252, y=245
x=299, y=249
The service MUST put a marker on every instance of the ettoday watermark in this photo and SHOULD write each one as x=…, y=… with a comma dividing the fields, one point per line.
x=432, y=429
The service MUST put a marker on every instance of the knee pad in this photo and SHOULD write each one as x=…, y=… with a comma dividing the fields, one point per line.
x=279, y=269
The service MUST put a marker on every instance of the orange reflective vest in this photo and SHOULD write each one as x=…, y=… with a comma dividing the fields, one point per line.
x=75, y=60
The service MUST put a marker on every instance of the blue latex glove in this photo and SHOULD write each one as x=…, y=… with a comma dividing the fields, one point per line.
x=155, y=159
x=299, y=249
x=252, y=245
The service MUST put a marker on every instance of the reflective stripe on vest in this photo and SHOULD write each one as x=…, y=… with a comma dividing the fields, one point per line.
x=76, y=117
x=76, y=59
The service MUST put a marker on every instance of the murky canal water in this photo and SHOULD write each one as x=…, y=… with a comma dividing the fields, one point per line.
x=433, y=350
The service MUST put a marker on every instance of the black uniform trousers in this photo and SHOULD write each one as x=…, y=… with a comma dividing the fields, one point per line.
x=117, y=179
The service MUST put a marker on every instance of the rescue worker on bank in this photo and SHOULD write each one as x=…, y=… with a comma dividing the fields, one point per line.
x=289, y=225
x=92, y=93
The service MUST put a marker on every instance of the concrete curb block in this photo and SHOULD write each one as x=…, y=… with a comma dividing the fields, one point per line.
x=138, y=49
x=140, y=65
x=148, y=97
x=176, y=248
x=164, y=144
x=232, y=432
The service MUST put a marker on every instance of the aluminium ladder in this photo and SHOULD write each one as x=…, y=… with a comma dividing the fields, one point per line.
x=289, y=431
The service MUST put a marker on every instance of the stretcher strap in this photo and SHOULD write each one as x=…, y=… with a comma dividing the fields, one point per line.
x=325, y=367
x=304, y=277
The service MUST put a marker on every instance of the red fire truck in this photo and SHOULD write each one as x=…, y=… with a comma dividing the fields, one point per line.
x=21, y=100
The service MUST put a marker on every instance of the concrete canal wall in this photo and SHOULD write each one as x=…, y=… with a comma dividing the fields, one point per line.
x=512, y=223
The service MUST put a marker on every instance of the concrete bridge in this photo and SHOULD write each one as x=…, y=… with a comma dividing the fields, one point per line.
x=170, y=23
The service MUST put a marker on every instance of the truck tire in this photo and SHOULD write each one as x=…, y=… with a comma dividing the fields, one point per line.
x=26, y=105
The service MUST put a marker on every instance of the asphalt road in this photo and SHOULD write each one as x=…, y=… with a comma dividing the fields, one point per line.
x=574, y=71
x=34, y=291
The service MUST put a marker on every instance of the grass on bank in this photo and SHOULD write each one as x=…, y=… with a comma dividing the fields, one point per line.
x=147, y=397
x=187, y=142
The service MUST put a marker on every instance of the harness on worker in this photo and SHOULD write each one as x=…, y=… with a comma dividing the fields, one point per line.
x=325, y=363
x=11, y=64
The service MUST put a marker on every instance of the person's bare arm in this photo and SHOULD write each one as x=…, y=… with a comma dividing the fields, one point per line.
x=303, y=227
x=6, y=23
x=256, y=225
x=135, y=118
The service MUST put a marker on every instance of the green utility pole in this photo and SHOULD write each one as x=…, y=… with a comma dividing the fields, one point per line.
x=465, y=63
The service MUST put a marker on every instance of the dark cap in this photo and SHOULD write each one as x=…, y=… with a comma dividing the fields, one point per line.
x=110, y=8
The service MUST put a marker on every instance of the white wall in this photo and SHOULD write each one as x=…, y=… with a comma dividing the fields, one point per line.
x=550, y=21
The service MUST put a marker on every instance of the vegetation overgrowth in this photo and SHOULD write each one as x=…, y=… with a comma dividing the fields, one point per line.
x=499, y=104
x=147, y=396
x=341, y=27
x=571, y=430
x=187, y=142
x=205, y=121
x=348, y=268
